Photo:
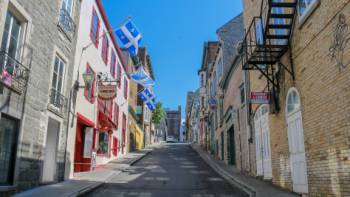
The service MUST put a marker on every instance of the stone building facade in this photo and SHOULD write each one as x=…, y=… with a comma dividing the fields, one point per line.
x=36, y=60
x=207, y=96
x=305, y=129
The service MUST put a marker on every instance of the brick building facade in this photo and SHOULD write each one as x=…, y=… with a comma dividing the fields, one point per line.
x=305, y=129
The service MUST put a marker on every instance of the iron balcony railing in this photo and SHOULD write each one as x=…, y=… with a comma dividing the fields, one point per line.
x=58, y=101
x=66, y=22
x=268, y=36
x=13, y=73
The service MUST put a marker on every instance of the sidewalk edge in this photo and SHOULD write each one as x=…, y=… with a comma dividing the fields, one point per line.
x=100, y=184
x=232, y=180
x=138, y=159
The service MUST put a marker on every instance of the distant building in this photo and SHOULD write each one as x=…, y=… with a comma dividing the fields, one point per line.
x=183, y=131
x=160, y=131
x=174, y=122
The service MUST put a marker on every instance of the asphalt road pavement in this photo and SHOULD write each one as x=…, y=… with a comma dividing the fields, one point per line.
x=171, y=170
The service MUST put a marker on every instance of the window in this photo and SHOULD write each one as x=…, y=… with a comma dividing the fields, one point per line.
x=103, y=142
x=202, y=80
x=119, y=75
x=305, y=7
x=66, y=13
x=57, y=82
x=293, y=101
x=90, y=88
x=220, y=68
x=116, y=114
x=95, y=28
x=113, y=63
x=11, y=40
x=242, y=93
x=67, y=5
x=105, y=47
x=125, y=88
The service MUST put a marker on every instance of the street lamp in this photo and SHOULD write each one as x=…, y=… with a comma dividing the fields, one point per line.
x=88, y=80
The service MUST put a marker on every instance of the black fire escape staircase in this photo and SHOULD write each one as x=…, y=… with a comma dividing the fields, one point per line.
x=267, y=39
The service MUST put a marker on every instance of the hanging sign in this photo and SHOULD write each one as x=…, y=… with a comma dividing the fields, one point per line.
x=260, y=98
x=107, y=92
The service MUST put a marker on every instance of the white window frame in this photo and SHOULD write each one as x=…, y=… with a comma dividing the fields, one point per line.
x=310, y=7
x=19, y=39
x=61, y=61
x=298, y=106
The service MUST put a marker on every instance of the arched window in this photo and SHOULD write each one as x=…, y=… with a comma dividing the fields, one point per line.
x=293, y=101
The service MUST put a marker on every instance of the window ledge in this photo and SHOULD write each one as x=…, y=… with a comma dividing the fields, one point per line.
x=55, y=110
x=307, y=13
x=65, y=34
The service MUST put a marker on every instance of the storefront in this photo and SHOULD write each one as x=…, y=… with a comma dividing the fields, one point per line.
x=85, y=136
x=107, y=143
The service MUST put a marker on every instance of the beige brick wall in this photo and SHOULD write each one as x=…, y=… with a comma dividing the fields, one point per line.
x=232, y=99
x=325, y=103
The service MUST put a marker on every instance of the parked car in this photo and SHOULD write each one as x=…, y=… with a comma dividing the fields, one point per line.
x=170, y=139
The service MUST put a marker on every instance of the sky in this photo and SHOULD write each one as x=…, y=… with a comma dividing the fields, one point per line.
x=174, y=32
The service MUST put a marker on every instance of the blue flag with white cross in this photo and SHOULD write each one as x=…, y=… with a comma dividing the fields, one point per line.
x=130, y=37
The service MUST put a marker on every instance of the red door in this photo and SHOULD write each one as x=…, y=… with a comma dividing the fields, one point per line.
x=81, y=164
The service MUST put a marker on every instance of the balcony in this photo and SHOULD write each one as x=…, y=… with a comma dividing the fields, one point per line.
x=14, y=74
x=66, y=23
x=58, y=102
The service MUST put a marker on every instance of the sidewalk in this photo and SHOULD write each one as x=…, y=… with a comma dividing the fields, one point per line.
x=252, y=186
x=87, y=181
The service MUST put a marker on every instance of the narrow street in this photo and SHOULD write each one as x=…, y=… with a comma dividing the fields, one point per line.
x=170, y=170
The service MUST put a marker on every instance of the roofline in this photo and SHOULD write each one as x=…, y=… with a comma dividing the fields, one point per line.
x=111, y=33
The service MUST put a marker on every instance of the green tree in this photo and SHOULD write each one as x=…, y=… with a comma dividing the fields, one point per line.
x=158, y=113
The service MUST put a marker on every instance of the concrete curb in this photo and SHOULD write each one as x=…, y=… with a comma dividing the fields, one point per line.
x=138, y=159
x=231, y=179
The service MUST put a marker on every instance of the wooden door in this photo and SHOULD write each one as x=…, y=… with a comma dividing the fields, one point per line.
x=297, y=152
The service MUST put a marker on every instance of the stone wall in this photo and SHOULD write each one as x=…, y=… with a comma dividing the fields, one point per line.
x=45, y=38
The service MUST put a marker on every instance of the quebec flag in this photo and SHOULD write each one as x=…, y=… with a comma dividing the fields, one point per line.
x=141, y=77
x=130, y=37
x=148, y=98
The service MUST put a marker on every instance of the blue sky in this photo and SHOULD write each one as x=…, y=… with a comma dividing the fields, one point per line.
x=174, y=32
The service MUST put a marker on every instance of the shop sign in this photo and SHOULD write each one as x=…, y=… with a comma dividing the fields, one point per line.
x=107, y=92
x=260, y=97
